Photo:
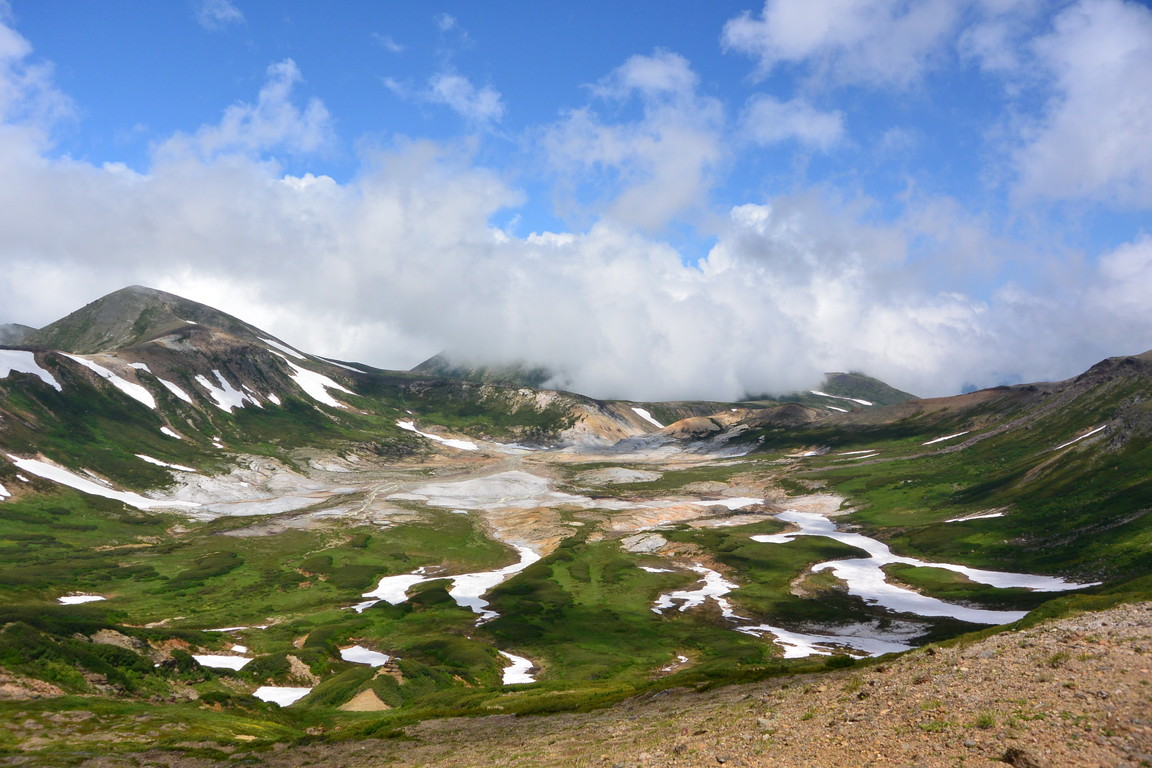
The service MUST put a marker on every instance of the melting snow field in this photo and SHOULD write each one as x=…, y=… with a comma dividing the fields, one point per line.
x=797, y=645
x=463, y=445
x=280, y=695
x=866, y=580
x=316, y=385
x=467, y=589
x=647, y=417
x=159, y=463
x=946, y=437
x=358, y=654
x=134, y=391
x=86, y=485
x=1078, y=439
x=78, y=599
x=225, y=396
x=713, y=587
x=12, y=360
x=838, y=397
x=221, y=662
x=519, y=671
x=987, y=516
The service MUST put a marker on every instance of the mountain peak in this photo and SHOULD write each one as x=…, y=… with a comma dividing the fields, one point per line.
x=128, y=317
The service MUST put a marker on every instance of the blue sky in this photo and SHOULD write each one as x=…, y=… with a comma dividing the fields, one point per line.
x=660, y=199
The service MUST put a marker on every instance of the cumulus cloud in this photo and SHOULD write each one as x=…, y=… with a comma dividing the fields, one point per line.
x=217, y=14
x=883, y=42
x=273, y=122
x=1092, y=141
x=644, y=171
x=476, y=105
x=768, y=121
x=403, y=260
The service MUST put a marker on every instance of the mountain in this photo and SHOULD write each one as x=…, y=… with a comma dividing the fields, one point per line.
x=517, y=374
x=132, y=316
x=12, y=333
x=197, y=519
x=842, y=392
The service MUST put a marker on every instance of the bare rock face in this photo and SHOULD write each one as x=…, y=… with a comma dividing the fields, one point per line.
x=644, y=543
x=695, y=427
x=616, y=475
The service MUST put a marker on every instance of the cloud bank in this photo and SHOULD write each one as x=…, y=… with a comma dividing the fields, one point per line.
x=404, y=259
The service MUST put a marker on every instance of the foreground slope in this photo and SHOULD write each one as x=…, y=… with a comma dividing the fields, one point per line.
x=1070, y=692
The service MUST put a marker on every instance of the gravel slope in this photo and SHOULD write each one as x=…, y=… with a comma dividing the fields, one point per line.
x=1074, y=692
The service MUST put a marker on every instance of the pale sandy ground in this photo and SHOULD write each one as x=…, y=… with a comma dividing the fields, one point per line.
x=1075, y=693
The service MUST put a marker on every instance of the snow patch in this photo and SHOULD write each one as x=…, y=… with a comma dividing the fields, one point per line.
x=13, y=360
x=284, y=696
x=64, y=477
x=221, y=662
x=316, y=385
x=519, y=671
x=283, y=348
x=647, y=417
x=838, y=397
x=225, y=397
x=866, y=579
x=987, y=516
x=1078, y=439
x=358, y=654
x=78, y=599
x=134, y=391
x=180, y=393
x=463, y=445
x=4, y=492
x=946, y=437
x=159, y=463
x=170, y=433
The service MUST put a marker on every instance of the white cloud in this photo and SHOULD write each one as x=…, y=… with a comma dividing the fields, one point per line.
x=28, y=96
x=880, y=42
x=768, y=121
x=476, y=105
x=1093, y=139
x=403, y=260
x=388, y=43
x=217, y=14
x=273, y=122
x=643, y=172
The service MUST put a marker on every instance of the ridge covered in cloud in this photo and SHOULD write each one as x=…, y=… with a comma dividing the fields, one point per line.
x=404, y=258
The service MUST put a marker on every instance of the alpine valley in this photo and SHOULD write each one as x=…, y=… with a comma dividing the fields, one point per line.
x=214, y=546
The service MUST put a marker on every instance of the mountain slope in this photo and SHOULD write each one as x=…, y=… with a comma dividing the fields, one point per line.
x=13, y=333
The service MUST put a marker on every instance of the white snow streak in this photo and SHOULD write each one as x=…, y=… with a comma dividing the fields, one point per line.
x=283, y=348
x=463, y=445
x=946, y=437
x=1078, y=439
x=283, y=696
x=838, y=397
x=134, y=391
x=85, y=485
x=14, y=360
x=518, y=672
x=647, y=417
x=159, y=463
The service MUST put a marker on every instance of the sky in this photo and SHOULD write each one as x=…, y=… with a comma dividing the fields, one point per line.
x=658, y=199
